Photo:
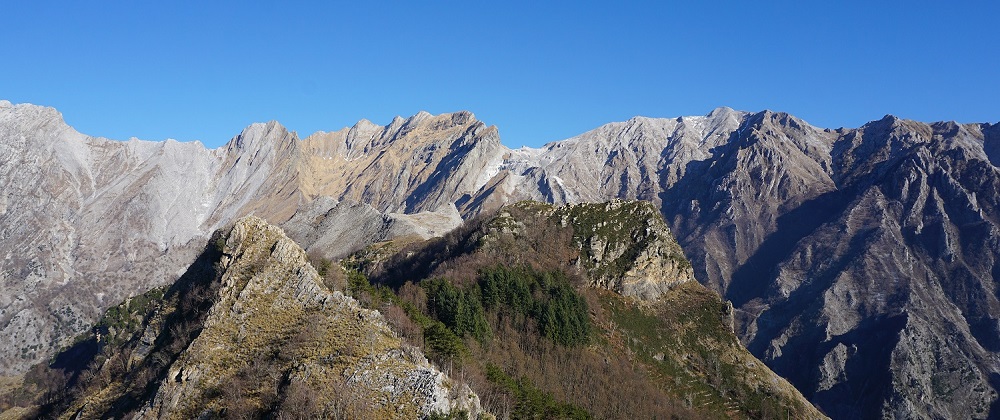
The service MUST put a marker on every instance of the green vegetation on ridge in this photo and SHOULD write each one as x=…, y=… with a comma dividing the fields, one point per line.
x=544, y=298
x=508, y=293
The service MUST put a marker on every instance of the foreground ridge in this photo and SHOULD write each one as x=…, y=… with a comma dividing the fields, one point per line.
x=270, y=338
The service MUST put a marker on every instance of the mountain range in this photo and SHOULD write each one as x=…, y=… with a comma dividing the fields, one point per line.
x=860, y=263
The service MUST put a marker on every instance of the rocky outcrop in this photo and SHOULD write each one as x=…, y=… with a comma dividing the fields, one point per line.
x=627, y=248
x=276, y=340
x=623, y=246
x=860, y=262
x=269, y=290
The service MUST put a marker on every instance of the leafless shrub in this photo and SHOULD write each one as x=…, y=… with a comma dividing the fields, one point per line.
x=301, y=402
x=402, y=324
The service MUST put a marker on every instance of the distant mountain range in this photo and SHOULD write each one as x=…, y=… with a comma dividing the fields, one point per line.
x=861, y=263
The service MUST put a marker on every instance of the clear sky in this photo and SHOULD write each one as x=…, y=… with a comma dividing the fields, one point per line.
x=539, y=70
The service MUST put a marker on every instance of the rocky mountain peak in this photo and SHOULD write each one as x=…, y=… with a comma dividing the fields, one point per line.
x=893, y=128
x=365, y=136
x=30, y=111
x=361, y=138
x=395, y=125
x=723, y=112
x=789, y=223
x=261, y=135
x=887, y=119
x=365, y=124
x=462, y=117
x=441, y=122
x=46, y=123
x=420, y=116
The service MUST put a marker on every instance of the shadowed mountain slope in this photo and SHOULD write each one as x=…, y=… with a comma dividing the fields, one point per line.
x=861, y=262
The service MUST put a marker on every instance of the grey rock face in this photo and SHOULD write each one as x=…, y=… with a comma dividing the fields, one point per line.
x=336, y=229
x=83, y=219
x=88, y=221
x=632, y=232
x=861, y=262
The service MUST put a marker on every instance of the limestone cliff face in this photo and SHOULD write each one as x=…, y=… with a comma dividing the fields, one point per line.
x=861, y=262
x=857, y=253
x=90, y=221
x=335, y=229
x=422, y=163
x=86, y=221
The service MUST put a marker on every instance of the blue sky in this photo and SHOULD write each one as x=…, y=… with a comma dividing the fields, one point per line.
x=540, y=71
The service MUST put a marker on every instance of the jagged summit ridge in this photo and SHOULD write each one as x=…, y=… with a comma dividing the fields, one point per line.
x=785, y=219
x=130, y=214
